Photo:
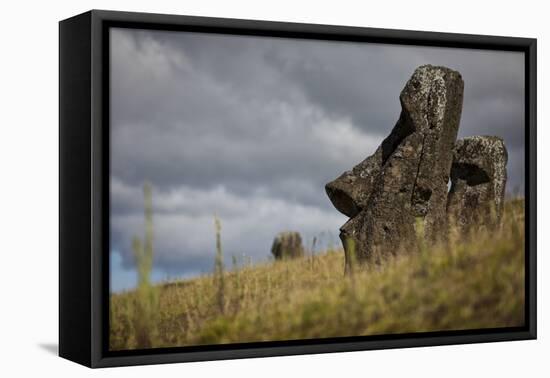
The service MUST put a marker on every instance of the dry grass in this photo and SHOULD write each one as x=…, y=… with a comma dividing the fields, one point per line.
x=465, y=284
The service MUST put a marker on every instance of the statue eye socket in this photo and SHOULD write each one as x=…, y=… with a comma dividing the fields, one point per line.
x=471, y=173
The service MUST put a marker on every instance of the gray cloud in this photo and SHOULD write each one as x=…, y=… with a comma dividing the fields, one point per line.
x=251, y=128
x=184, y=223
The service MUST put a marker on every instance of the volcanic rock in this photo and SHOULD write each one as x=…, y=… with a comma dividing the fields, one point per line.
x=478, y=181
x=406, y=178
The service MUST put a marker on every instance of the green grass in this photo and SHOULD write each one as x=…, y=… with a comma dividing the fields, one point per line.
x=475, y=282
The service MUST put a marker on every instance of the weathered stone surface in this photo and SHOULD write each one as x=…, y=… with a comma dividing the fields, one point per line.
x=350, y=192
x=478, y=177
x=407, y=176
x=287, y=245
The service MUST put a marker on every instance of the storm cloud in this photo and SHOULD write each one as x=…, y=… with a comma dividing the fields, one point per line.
x=251, y=128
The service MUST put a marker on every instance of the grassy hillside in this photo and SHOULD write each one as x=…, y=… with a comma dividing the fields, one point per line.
x=465, y=284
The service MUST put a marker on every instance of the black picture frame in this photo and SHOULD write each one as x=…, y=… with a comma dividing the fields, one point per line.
x=84, y=191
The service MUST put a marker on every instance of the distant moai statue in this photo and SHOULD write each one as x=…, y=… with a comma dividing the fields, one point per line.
x=286, y=245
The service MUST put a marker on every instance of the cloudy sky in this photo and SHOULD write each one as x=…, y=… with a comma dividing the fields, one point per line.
x=251, y=128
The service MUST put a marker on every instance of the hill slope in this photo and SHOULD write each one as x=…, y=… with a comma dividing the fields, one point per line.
x=468, y=284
